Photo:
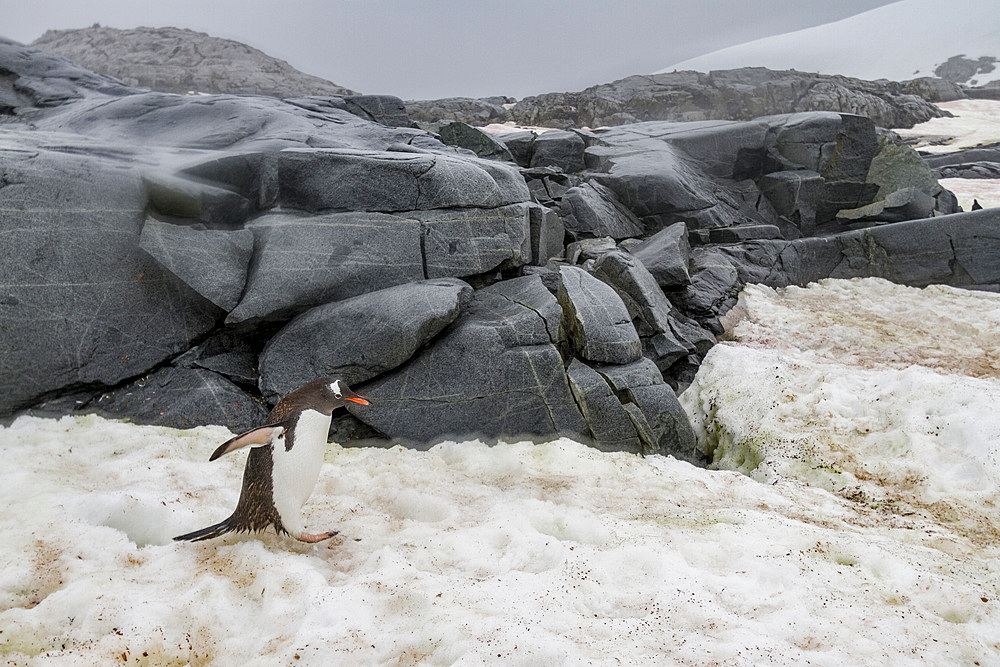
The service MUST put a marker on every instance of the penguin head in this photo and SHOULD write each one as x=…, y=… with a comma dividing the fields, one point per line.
x=337, y=392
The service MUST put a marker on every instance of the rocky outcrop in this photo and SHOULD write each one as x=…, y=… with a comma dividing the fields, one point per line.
x=741, y=94
x=177, y=60
x=182, y=260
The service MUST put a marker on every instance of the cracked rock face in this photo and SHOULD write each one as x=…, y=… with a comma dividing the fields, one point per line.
x=596, y=320
x=357, y=339
x=495, y=372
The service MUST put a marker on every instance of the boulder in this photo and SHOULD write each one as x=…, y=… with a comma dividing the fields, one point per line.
x=481, y=143
x=597, y=322
x=611, y=426
x=496, y=372
x=556, y=148
x=81, y=303
x=228, y=354
x=432, y=114
x=547, y=234
x=302, y=261
x=182, y=398
x=896, y=167
x=212, y=262
x=520, y=143
x=592, y=210
x=667, y=255
x=253, y=176
x=906, y=204
x=359, y=338
x=351, y=180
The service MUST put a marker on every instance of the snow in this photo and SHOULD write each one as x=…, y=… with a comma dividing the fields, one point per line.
x=899, y=41
x=975, y=122
x=866, y=534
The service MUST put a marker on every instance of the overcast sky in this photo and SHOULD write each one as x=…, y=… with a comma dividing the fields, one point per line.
x=441, y=48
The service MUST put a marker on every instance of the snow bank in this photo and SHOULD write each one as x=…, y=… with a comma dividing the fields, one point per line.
x=556, y=553
x=899, y=41
x=975, y=123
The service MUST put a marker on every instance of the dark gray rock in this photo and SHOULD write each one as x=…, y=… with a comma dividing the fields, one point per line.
x=495, y=373
x=322, y=180
x=520, y=143
x=610, y=424
x=80, y=303
x=547, y=234
x=184, y=198
x=906, y=204
x=597, y=322
x=983, y=154
x=469, y=241
x=666, y=334
x=743, y=233
x=302, y=261
x=557, y=148
x=227, y=354
x=580, y=251
x=659, y=420
x=592, y=210
x=212, y=262
x=176, y=60
x=382, y=109
x=359, y=338
x=969, y=170
x=182, y=398
x=481, y=143
x=667, y=255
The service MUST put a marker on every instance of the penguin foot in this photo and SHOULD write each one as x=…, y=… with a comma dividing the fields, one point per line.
x=319, y=537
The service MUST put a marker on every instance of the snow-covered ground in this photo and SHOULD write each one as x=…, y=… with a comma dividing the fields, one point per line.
x=864, y=532
x=899, y=41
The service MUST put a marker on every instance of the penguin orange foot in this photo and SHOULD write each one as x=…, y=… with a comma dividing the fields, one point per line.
x=284, y=462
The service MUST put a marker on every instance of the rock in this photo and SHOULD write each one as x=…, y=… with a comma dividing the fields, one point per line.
x=592, y=210
x=183, y=198
x=431, y=114
x=302, y=261
x=182, y=398
x=905, y=204
x=969, y=170
x=176, y=60
x=666, y=334
x=495, y=373
x=323, y=180
x=347, y=254
x=558, y=149
x=359, y=338
x=520, y=143
x=586, y=249
x=227, y=354
x=212, y=262
x=468, y=241
x=897, y=166
x=253, y=176
x=382, y=109
x=659, y=420
x=597, y=322
x=810, y=202
x=610, y=424
x=81, y=304
x=743, y=233
x=740, y=94
x=667, y=255
x=547, y=234
x=481, y=143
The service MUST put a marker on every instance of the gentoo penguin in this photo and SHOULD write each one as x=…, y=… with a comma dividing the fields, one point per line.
x=284, y=463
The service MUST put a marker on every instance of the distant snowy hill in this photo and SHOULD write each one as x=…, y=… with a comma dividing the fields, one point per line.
x=900, y=41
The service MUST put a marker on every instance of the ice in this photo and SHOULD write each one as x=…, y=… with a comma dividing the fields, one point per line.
x=863, y=532
x=975, y=122
x=898, y=41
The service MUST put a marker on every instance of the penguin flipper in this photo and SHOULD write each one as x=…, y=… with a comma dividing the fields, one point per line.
x=208, y=533
x=257, y=437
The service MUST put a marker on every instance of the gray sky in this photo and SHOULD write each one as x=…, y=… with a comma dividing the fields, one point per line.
x=443, y=48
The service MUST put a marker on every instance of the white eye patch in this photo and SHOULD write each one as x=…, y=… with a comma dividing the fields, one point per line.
x=335, y=388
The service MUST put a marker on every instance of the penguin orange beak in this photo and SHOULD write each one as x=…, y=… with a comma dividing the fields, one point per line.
x=357, y=399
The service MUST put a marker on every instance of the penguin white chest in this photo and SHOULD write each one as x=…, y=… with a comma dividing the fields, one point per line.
x=295, y=471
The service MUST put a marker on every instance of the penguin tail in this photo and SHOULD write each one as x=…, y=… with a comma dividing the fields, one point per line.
x=208, y=533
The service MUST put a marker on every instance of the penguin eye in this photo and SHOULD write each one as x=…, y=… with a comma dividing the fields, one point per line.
x=335, y=388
